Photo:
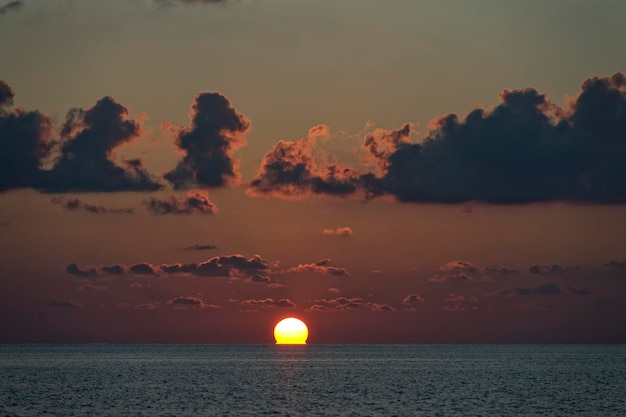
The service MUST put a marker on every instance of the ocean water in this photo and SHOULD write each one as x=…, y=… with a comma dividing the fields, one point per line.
x=312, y=380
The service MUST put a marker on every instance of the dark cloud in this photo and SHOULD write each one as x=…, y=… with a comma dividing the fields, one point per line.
x=74, y=269
x=579, y=291
x=526, y=149
x=113, y=269
x=413, y=299
x=144, y=268
x=24, y=142
x=323, y=266
x=341, y=232
x=200, y=247
x=88, y=141
x=616, y=265
x=217, y=130
x=190, y=302
x=148, y=306
x=219, y=266
x=65, y=304
x=12, y=6
x=269, y=303
x=291, y=171
x=74, y=204
x=549, y=288
x=344, y=304
x=196, y=201
x=89, y=287
x=547, y=269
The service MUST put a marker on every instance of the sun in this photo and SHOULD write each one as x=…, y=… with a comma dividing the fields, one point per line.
x=291, y=331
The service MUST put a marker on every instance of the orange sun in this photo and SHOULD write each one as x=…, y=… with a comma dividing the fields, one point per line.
x=291, y=331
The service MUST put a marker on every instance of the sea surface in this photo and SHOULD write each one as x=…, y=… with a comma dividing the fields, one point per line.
x=312, y=380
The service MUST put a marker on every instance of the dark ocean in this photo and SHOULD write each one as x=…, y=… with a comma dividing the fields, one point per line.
x=312, y=380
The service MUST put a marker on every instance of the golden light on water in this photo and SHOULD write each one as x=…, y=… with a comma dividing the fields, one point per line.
x=291, y=331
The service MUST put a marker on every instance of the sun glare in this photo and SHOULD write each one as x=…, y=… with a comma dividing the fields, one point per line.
x=291, y=331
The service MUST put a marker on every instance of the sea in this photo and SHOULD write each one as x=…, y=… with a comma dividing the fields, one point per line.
x=312, y=380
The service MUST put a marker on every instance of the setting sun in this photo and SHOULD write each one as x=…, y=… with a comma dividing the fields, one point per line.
x=291, y=331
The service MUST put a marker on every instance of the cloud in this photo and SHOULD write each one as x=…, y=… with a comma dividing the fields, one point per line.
x=190, y=302
x=217, y=130
x=219, y=266
x=74, y=269
x=88, y=141
x=113, y=269
x=454, y=298
x=148, y=306
x=323, y=266
x=144, y=268
x=456, y=307
x=269, y=303
x=74, y=204
x=200, y=247
x=196, y=201
x=291, y=171
x=462, y=271
x=259, y=279
x=24, y=142
x=65, y=304
x=413, y=299
x=89, y=287
x=11, y=6
x=170, y=3
x=526, y=149
x=345, y=304
x=616, y=265
x=341, y=232
x=547, y=269
x=549, y=288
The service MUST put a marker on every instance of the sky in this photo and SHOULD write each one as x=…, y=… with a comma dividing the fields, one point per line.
x=188, y=171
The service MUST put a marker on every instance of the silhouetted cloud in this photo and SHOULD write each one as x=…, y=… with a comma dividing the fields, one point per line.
x=291, y=171
x=74, y=204
x=143, y=268
x=196, y=201
x=88, y=140
x=413, y=299
x=12, y=6
x=549, y=288
x=113, y=269
x=616, y=264
x=323, y=266
x=217, y=130
x=24, y=142
x=190, y=302
x=74, y=269
x=90, y=287
x=200, y=247
x=344, y=304
x=547, y=269
x=341, y=232
x=148, y=306
x=269, y=303
x=259, y=279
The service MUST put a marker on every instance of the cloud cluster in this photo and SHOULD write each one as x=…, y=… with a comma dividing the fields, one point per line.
x=199, y=246
x=341, y=232
x=413, y=299
x=461, y=271
x=323, y=266
x=74, y=204
x=217, y=130
x=217, y=266
x=184, y=302
x=269, y=303
x=345, y=304
x=11, y=6
x=196, y=201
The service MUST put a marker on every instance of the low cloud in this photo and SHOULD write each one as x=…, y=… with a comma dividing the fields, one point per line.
x=340, y=232
x=547, y=269
x=549, y=288
x=74, y=204
x=74, y=269
x=345, y=304
x=200, y=247
x=144, y=268
x=323, y=266
x=196, y=201
x=413, y=299
x=184, y=302
x=462, y=271
x=269, y=303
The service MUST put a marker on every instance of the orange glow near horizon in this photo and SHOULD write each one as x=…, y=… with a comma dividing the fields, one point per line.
x=291, y=331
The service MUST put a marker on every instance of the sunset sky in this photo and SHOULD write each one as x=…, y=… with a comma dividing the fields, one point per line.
x=407, y=171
